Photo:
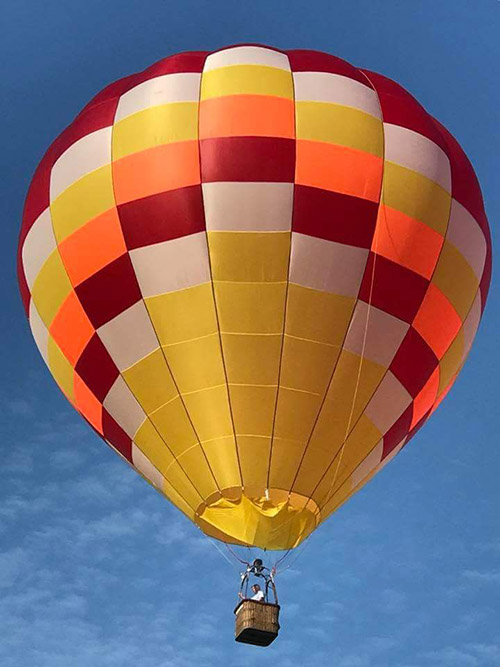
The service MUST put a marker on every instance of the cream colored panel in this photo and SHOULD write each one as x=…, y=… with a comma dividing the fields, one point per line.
x=85, y=155
x=124, y=408
x=246, y=55
x=467, y=237
x=38, y=245
x=177, y=87
x=388, y=403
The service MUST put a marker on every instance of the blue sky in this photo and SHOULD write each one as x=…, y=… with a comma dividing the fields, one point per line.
x=96, y=569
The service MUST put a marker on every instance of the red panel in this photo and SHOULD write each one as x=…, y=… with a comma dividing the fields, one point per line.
x=396, y=290
x=96, y=368
x=418, y=426
x=116, y=435
x=397, y=432
x=414, y=362
x=303, y=60
x=334, y=216
x=251, y=159
x=401, y=108
x=162, y=217
x=110, y=291
x=465, y=186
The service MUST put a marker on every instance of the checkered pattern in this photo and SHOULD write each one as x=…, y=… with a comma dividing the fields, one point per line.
x=256, y=274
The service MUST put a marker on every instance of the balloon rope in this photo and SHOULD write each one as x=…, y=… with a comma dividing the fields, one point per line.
x=222, y=553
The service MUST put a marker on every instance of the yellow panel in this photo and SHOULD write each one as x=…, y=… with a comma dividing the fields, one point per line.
x=307, y=365
x=61, y=369
x=285, y=460
x=254, y=460
x=336, y=124
x=246, y=80
x=296, y=414
x=221, y=454
x=51, y=287
x=209, y=412
x=155, y=126
x=252, y=359
x=253, y=409
x=450, y=363
x=335, y=420
x=183, y=315
x=172, y=423
x=249, y=256
x=150, y=443
x=251, y=308
x=318, y=316
x=359, y=444
x=196, y=364
x=171, y=494
x=417, y=196
x=456, y=279
x=150, y=381
x=84, y=200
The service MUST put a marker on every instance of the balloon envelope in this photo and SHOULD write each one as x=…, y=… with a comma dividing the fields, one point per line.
x=256, y=274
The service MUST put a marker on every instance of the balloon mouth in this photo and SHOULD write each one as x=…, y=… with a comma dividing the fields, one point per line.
x=275, y=519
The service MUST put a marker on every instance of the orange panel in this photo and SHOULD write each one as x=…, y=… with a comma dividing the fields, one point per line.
x=338, y=168
x=407, y=241
x=88, y=404
x=93, y=246
x=425, y=398
x=71, y=328
x=156, y=170
x=247, y=115
x=437, y=321
x=444, y=394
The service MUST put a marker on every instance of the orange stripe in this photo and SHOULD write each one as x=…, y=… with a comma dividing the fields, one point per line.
x=87, y=404
x=247, y=115
x=93, y=246
x=437, y=321
x=425, y=399
x=407, y=241
x=71, y=328
x=155, y=170
x=339, y=169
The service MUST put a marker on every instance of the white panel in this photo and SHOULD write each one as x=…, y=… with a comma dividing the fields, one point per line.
x=172, y=265
x=248, y=206
x=336, y=89
x=177, y=87
x=467, y=236
x=123, y=407
x=85, y=155
x=414, y=151
x=326, y=265
x=130, y=336
x=38, y=245
x=144, y=466
x=247, y=55
x=392, y=454
x=384, y=334
x=388, y=403
x=368, y=465
x=39, y=331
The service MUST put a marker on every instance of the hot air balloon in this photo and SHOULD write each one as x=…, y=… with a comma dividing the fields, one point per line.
x=256, y=274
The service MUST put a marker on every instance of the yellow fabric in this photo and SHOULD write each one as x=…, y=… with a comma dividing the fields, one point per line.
x=84, y=200
x=456, y=279
x=155, y=126
x=51, y=287
x=337, y=124
x=61, y=369
x=246, y=80
x=258, y=521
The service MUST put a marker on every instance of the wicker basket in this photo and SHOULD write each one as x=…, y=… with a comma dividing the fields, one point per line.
x=256, y=622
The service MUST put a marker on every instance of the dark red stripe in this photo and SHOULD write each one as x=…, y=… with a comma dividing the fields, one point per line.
x=401, y=108
x=162, y=217
x=110, y=291
x=334, y=216
x=397, y=432
x=396, y=290
x=250, y=159
x=96, y=368
x=414, y=362
x=116, y=435
x=304, y=60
